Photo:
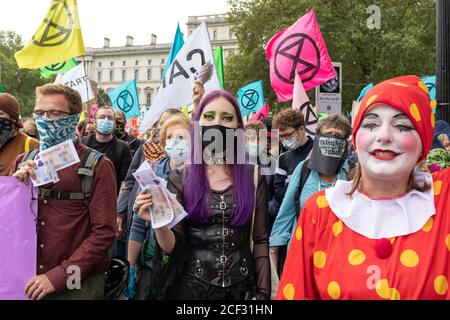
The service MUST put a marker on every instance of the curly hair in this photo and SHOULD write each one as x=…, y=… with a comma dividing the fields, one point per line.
x=288, y=118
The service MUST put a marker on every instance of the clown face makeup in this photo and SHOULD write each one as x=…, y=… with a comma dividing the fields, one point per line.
x=387, y=144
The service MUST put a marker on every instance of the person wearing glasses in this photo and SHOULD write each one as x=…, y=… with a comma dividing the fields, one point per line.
x=12, y=141
x=290, y=124
x=74, y=235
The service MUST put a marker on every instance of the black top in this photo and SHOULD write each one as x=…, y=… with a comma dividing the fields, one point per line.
x=133, y=143
x=117, y=151
x=287, y=162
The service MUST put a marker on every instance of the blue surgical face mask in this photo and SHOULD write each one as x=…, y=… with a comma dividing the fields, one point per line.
x=178, y=150
x=291, y=144
x=105, y=126
x=53, y=132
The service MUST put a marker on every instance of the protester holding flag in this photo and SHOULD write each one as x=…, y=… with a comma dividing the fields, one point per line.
x=370, y=238
x=12, y=141
x=319, y=172
x=211, y=256
x=120, y=133
x=74, y=229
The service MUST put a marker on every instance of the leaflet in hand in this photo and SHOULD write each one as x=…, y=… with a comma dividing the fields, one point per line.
x=61, y=156
x=45, y=173
x=165, y=210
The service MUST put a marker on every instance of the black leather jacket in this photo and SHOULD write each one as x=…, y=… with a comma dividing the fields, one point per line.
x=219, y=252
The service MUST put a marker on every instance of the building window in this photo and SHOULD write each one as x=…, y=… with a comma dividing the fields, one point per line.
x=149, y=99
x=231, y=35
x=137, y=62
x=149, y=61
x=124, y=75
x=112, y=63
x=124, y=62
x=111, y=75
x=99, y=76
x=99, y=64
x=136, y=74
x=162, y=61
x=215, y=35
x=149, y=74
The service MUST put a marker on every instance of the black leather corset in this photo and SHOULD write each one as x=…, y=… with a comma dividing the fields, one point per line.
x=219, y=252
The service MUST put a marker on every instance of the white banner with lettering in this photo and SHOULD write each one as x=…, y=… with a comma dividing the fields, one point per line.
x=176, y=89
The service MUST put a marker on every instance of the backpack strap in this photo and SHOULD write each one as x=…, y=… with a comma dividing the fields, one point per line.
x=301, y=183
x=86, y=172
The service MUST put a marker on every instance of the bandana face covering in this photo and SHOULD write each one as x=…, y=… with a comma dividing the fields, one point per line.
x=8, y=129
x=328, y=154
x=53, y=132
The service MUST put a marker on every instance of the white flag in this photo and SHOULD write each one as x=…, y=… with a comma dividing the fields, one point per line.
x=78, y=80
x=176, y=89
x=300, y=101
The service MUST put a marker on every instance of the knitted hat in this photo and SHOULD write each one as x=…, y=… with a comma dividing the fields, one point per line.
x=10, y=105
x=153, y=151
x=407, y=94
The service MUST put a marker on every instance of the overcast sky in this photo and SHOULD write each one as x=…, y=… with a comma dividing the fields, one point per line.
x=114, y=19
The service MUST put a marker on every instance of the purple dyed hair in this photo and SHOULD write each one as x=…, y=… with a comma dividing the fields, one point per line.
x=196, y=187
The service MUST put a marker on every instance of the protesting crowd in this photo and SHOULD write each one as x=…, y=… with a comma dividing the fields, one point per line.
x=216, y=205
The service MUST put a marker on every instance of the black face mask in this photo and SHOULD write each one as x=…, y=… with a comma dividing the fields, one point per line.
x=119, y=130
x=8, y=130
x=328, y=154
x=216, y=139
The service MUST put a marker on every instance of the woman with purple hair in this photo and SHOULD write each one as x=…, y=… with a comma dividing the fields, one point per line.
x=210, y=254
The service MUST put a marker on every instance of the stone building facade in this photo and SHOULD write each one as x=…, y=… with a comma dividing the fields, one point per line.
x=109, y=66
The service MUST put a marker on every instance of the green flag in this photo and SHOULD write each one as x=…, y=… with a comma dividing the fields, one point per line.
x=2, y=89
x=218, y=59
x=63, y=67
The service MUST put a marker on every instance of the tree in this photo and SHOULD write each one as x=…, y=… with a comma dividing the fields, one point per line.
x=20, y=83
x=405, y=43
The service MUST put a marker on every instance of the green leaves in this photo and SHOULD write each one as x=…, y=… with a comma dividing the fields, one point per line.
x=20, y=83
x=405, y=43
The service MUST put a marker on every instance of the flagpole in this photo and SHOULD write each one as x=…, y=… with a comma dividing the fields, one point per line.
x=87, y=89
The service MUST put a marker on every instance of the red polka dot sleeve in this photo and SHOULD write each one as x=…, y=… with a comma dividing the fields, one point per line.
x=297, y=280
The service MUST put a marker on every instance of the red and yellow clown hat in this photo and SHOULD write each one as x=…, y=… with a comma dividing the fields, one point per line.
x=408, y=94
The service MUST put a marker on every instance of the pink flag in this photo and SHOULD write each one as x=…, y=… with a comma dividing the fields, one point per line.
x=94, y=108
x=300, y=101
x=261, y=114
x=299, y=48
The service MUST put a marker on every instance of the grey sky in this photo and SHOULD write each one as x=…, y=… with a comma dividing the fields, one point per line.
x=114, y=19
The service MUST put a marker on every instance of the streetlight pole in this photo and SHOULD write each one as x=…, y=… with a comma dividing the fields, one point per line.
x=443, y=59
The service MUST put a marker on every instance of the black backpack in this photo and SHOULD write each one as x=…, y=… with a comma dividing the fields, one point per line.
x=85, y=171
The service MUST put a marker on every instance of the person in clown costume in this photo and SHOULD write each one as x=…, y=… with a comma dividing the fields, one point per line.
x=386, y=234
